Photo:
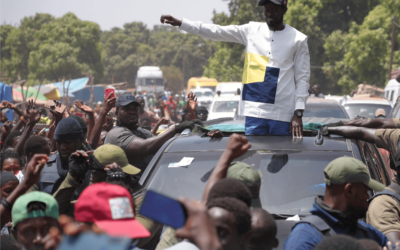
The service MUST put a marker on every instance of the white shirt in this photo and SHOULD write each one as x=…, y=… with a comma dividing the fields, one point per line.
x=277, y=69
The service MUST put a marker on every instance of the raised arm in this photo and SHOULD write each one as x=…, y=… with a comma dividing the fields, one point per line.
x=108, y=104
x=231, y=33
x=89, y=111
x=161, y=121
x=236, y=147
x=34, y=117
x=191, y=105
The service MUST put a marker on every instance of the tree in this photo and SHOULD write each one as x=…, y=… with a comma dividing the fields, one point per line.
x=18, y=43
x=66, y=47
x=172, y=78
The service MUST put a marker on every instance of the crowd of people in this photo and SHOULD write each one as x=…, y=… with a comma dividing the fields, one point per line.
x=80, y=177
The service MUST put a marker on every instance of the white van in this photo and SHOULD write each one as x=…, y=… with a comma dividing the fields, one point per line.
x=392, y=91
x=228, y=88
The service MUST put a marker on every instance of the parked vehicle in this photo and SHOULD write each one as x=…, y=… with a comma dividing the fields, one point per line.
x=291, y=171
x=201, y=82
x=228, y=88
x=365, y=106
x=224, y=107
x=392, y=91
x=150, y=79
x=319, y=107
x=205, y=96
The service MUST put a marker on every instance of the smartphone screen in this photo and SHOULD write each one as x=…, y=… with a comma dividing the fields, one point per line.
x=163, y=209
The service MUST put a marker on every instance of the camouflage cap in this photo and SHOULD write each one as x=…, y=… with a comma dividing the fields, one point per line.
x=350, y=170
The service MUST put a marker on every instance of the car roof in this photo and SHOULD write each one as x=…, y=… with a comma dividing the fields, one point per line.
x=321, y=100
x=366, y=100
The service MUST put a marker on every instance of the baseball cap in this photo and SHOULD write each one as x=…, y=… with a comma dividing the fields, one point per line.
x=111, y=208
x=250, y=177
x=349, y=170
x=278, y=2
x=107, y=154
x=20, y=208
x=379, y=112
x=126, y=99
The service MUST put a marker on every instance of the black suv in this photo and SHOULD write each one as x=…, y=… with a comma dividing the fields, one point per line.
x=291, y=170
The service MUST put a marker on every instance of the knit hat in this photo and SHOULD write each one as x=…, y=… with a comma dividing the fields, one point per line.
x=68, y=128
x=81, y=122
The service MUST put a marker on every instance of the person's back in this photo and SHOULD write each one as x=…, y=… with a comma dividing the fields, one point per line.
x=339, y=242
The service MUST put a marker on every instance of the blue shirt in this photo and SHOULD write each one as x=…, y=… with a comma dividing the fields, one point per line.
x=305, y=236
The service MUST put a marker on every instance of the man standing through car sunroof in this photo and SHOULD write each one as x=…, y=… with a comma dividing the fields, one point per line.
x=276, y=70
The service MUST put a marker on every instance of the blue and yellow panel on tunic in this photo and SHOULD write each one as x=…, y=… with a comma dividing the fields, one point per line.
x=259, y=81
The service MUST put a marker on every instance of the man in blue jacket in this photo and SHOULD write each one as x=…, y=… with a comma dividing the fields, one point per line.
x=345, y=202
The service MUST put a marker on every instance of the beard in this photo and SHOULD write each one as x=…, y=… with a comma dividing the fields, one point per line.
x=356, y=212
x=274, y=23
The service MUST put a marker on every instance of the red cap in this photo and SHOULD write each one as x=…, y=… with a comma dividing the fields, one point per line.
x=111, y=208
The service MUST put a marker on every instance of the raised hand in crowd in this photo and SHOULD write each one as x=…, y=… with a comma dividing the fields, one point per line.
x=108, y=125
x=34, y=117
x=12, y=106
x=162, y=121
x=32, y=175
x=89, y=112
x=5, y=131
x=3, y=117
x=108, y=104
x=191, y=105
x=163, y=105
x=79, y=164
x=198, y=228
x=237, y=146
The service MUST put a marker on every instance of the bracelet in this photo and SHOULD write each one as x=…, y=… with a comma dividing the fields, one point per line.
x=7, y=205
x=23, y=119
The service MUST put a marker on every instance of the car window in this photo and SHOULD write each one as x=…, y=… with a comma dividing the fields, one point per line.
x=198, y=94
x=225, y=106
x=366, y=110
x=397, y=115
x=378, y=165
x=313, y=111
x=290, y=179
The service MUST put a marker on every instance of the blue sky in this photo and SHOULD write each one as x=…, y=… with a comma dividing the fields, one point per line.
x=112, y=13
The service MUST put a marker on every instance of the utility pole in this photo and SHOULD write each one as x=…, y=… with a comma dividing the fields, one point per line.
x=183, y=68
x=391, y=53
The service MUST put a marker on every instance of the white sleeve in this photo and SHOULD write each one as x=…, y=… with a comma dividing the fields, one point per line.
x=231, y=33
x=184, y=245
x=302, y=75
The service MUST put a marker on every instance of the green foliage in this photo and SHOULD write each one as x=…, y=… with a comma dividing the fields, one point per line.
x=66, y=47
x=173, y=78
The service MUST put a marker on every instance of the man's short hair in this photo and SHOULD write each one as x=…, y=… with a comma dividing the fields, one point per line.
x=34, y=145
x=339, y=242
x=9, y=153
x=266, y=227
x=369, y=244
x=10, y=139
x=238, y=208
x=230, y=187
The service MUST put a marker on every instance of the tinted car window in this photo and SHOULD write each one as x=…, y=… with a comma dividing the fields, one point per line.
x=366, y=110
x=290, y=179
x=318, y=110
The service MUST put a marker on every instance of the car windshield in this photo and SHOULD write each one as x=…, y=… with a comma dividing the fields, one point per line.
x=225, y=106
x=320, y=110
x=366, y=110
x=204, y=94
x=290, y=179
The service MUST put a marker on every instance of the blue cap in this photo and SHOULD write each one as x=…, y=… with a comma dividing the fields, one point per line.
x=126, y=99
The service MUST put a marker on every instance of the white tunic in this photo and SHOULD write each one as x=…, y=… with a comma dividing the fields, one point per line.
x=277, y=68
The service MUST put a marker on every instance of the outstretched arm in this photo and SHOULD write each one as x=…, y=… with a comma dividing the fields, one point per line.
x=372, y=123
x=236, y=147
x=231, y=33
x=365, y=134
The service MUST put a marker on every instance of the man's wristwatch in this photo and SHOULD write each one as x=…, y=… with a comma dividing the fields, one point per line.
x=298, y=113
